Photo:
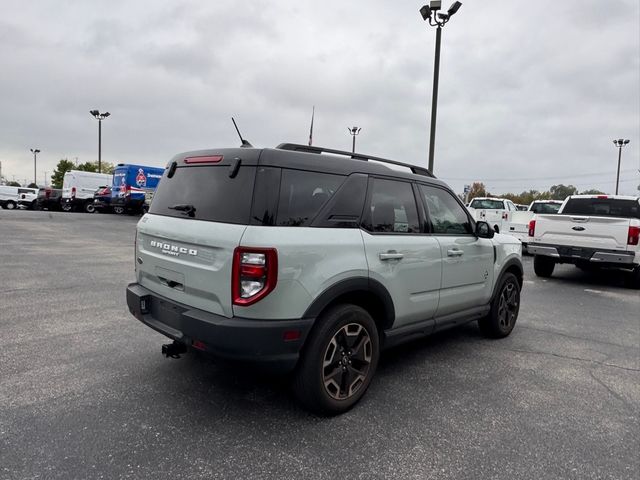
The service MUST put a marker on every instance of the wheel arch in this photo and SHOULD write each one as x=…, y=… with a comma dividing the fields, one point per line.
x=513, y=265
x=367, y=293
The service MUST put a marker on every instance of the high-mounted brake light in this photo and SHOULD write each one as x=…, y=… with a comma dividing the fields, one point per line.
x=205, y=159
x=254, y=274
x=602, y=196
x=634, y=236
x=532, y=228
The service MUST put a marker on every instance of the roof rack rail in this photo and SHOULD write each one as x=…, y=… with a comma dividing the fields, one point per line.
x=356, y=156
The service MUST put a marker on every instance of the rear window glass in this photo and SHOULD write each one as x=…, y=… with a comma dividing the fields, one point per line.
x=602, y=207
x=488, y=204
x=545, y=207
x=209, y=190
x=303, y=194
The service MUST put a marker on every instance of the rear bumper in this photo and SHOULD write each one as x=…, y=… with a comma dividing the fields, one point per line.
x=564, y=254
x=235, y=338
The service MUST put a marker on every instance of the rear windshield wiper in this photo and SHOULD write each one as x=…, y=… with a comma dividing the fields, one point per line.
x=187, y=208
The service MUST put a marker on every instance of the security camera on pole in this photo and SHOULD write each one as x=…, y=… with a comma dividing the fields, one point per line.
x=430, y=13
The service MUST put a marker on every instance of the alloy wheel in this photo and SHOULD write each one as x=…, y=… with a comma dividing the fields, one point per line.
x=508, y=305
x=347, y=360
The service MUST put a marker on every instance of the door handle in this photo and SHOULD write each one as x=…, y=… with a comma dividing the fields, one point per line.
x=455, y=253
x=390, y=255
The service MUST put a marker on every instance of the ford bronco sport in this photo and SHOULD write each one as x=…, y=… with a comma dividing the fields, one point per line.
x=313, y=260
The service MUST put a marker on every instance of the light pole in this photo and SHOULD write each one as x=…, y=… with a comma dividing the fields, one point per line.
x=35, y=152
x=99, y=116
x=619, y=143
x=353, y=131
x=429, y=13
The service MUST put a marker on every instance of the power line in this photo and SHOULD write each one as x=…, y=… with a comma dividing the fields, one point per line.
x=534, y=178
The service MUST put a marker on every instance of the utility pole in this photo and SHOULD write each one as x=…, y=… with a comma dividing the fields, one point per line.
x=45, y=178
x=35, y=152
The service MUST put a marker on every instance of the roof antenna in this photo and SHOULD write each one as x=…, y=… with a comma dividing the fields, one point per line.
x=245, y=144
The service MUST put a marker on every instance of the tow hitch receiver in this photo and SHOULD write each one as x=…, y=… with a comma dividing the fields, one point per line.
x=173, y=350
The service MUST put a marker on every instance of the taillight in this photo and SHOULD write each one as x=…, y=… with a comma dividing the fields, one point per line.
x=634, y=236
x=254, y=274
x=73, y=192
x=505, y=216
x=532, y=228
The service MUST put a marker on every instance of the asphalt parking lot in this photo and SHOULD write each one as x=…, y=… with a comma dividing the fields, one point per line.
x=85, y=392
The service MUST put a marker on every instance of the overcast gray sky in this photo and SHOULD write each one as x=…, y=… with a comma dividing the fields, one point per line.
x=532, y=91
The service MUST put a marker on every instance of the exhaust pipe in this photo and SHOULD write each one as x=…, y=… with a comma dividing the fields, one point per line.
x=173, y=350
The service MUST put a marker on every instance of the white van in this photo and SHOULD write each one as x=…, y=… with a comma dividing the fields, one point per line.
x=78, y=188
x=11, y=197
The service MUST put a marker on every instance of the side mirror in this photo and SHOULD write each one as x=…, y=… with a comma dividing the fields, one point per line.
x=483, y=230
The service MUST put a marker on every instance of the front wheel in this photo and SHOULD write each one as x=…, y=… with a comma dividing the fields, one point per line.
x=504, y=309
x=543, y=266
x=118, y=210
x=66, y=207
x=339, y=360
x=10, y=205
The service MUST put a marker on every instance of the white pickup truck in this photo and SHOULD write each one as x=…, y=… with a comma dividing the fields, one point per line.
x=495, y=211
x=590, y=231
x=519, y=225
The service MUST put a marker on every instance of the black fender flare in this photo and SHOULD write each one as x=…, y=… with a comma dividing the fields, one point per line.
x=354, y=285
x=507, y=265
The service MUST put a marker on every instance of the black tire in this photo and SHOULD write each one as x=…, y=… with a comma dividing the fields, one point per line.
x=66, y=207
x=89, y=207
x=505, y=307
x=118, y=210
x=10, y=205
x=543, y=266
x=334, y=370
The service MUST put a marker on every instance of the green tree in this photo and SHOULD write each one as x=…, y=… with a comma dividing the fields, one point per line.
x=32, y=185
x=64, y=165
x=592, y=191
x=13, y=184
x=106, y=167
x=560, y=192
x=477, y=190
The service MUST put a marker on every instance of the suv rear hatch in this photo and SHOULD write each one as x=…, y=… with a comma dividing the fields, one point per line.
x=185, y=244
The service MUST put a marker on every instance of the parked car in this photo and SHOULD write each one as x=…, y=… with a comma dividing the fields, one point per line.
x=132, y=185
x=313, y=260
x=102, y=199
x=495, y=211
x=522, y=208
x=48, y=198
x=519, y=224
x=12, y=197
x=78, y=188
x=590, y=231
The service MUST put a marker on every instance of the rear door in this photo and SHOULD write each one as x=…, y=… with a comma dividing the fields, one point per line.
x=185, y=243
x=467, y=261
x=399, y=254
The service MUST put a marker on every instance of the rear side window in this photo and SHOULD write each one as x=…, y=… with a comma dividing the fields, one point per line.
x=392, y=208
x=209, y=190
x=446, y=215
x=303, y=194
x=602, y=207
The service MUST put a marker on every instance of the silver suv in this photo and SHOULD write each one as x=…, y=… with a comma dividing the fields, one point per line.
x=312, y=260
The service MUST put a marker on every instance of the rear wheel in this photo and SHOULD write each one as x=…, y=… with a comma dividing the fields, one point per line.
x=339, y=360
x=66, y=207
x=504, y=309
x=543, y=266
x=10, y=205
x=118, y=210
x=632, y=280
x=89, y=207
